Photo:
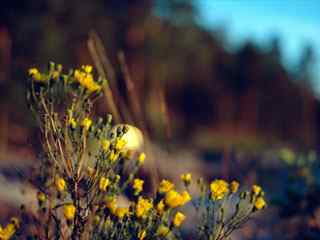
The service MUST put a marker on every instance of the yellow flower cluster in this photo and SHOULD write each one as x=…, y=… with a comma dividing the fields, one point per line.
x=219, y=188
x=137, y=185
x=259, y=202
x=178, y=219
x=143, y=207
x=85, y=78
x=86, y=123
x=7, y=232
x=36, y=75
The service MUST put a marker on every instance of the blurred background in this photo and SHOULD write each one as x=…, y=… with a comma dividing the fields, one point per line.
x=223, y=89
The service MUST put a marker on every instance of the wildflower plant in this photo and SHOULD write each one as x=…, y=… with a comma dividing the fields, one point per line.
x=87, y=171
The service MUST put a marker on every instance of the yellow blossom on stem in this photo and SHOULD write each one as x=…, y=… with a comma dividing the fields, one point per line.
x=111, y=204
x=35, y=74
x=160, y=207
x=142, y=207
x=72, y=122
x=178, y=219
x=86, y=123
x=142, y=234
x=141, y=158
x=186, y=178
x=69, y=211
x=87, y=68
x=260, y=203
x=234, y=186
x=121, y=212
x=60, y=184
x=7, y=232
x=219, y=188
x=185, y=197
x=137, y=185
x=113, y=156
x=256, y=189
x=173, y=199
x=165, y=186
x=103, y=184
x=120, y=143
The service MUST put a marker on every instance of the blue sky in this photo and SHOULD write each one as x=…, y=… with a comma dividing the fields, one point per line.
x=296, y=22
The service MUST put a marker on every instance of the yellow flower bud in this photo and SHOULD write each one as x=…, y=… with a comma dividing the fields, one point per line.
x=256, y=189
x=186, y=178
x=121, y=212
x=234, y=186
x=105, y=145
x=160, y=207
x=141, y=158
x=60, y=184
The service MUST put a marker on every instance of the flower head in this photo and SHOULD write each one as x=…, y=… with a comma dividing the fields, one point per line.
x=121, y=212
x=256, y=189
x=185, y=197
x=137, y=185
x=86, y=123
x=141, y=158
x=60, y=184
x=173, y=199
x=36, y=75
x=142, y=207
x=103, y=184
x=69, y=211
x=165, y=186
x=234, y=186
x=160, y=207
x=105, y=145
x=178, y=219
x=260, y=203
x=111, y=204
x=219, y=188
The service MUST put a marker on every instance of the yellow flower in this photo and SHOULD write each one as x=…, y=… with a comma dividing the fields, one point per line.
x=163, y=230
x=87, y=68
x=69, y=211
x=111, y=204
x=234, y=186
x=72, y=122
x=60, y=184
x=160, y=207
x=137, y=185
x=113, y=156
x=35, y=74
x=173, y=199
x=178, y=219
x=219, y=188
x=105, y=145
x=7, y=232
x=260, y=203
x=141, y=158
x=120, y=143
x=41, y=196
x=121, y=212
x=165, y=186
x=86, y=123
x=103, y=184
x=256, y=189
x=142, y=207
x=85, y=79
x=186, y=178
x=142, y=234
x=185, y=197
